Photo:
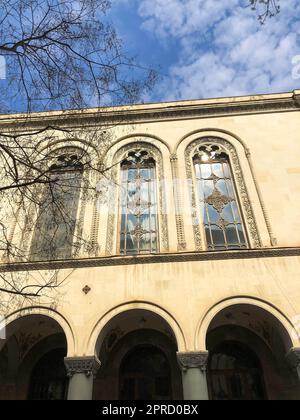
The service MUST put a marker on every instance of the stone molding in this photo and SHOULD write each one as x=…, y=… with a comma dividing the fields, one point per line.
x=77, y=365
x=239, y=181
x=171, y=111
x=151, y=259
x=181, y=242
x=190, y=360
x=114, y=209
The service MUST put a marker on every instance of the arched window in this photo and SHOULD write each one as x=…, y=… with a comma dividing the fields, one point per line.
x=138, y=204
x=55, y=226
x=235, y=373
x=217, y=195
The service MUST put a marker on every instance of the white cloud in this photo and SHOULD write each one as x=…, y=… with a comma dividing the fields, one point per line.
x=223, y=49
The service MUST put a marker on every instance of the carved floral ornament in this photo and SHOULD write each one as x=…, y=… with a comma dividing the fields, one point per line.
x=88, y=366
x=206, y=150
x=193, y=360
x=139, y=153
x=67, y=158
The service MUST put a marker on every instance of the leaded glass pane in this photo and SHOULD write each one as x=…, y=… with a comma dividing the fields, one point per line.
x=218, y=201
x=138, y=204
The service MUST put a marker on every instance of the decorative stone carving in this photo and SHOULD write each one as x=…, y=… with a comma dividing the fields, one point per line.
x=122, y=154
x=293, y=357
x=240, y=254
x=181, y=242
x=229, y=149
x=87, y=365
x=192, y=360
x=60, y=160
x=79, y=119
x=86, y=290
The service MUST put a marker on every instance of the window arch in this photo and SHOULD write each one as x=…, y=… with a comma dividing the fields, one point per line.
x=221, y=209
x=56, y=220
x=144, y=162
x=138, y=204
x=219, y=206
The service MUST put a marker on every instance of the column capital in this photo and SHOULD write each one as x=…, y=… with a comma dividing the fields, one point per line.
x=293, y=357
x=193, y=359
x=87, y=365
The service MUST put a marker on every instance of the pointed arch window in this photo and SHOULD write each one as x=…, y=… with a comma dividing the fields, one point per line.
x=138, y=204
x=55, y=226
x=219, y=204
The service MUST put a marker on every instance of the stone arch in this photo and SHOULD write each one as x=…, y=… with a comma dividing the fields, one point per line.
x=52, y=144
x=93, y=343
x=288, y=333
x=61, y=320
x=140, y=137
x=114, y=157
x=242, y=191
x=211, y=132
x=51, y=150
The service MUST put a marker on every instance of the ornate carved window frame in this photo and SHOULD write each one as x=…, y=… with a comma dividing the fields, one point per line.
x=113, y=215
x=68, y=149
x=242, y=192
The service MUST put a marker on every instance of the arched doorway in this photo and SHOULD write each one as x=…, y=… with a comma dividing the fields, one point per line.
x=32, y=359
x=235, y=373
x=49, y=378
x=248, y=347
x=145, y=374
x=137, y=349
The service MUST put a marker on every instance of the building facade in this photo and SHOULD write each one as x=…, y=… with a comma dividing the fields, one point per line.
x=188, y=287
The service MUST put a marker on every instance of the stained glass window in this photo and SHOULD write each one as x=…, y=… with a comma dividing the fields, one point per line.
x=219, y=205
x=56, y=221
x=139, y=225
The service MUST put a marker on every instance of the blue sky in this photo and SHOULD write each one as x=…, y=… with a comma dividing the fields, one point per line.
x=204, y=48
x=210, y=48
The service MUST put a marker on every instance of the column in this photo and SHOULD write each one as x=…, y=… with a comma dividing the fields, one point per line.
x=181, y=242
x=293, y=358
x=193, y=367
x=81, y=371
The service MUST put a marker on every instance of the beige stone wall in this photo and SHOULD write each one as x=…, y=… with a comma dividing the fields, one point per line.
x=189, y=294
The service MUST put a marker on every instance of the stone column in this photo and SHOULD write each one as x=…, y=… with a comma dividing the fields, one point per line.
x=193, y=367
x=293, y=358
x=81, y=371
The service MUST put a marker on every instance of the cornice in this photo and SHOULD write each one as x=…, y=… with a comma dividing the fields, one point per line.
x=155, y=112
x=151, y=259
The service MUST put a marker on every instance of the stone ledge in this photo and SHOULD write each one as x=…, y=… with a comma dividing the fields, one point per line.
x=151, y=259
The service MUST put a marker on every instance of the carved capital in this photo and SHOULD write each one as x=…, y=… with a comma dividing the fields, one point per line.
x=191, y=360
x=173, y=157
x=293, y=357
x=87, y=365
